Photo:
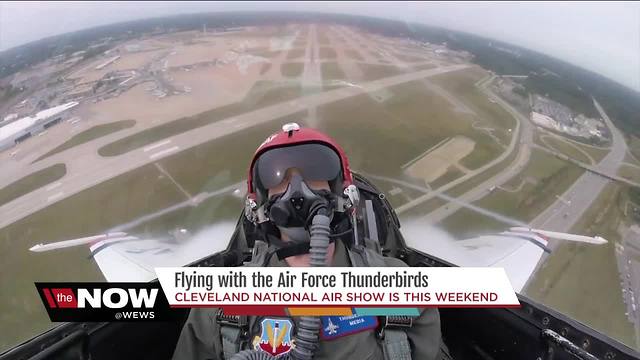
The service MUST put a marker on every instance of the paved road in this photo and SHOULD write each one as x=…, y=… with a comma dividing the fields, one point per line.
x=586, y=189
x=588, y=167
x=582, y=193
x=311, y=76
x=544, y=137
x=95, y=169
x=525, y=142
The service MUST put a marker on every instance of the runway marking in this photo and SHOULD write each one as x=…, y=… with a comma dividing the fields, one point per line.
x=156, y=145
x=55, y=196
x=53, y=186
x=165, y=151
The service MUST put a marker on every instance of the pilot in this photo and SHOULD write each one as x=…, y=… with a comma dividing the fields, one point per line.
x=296, y=174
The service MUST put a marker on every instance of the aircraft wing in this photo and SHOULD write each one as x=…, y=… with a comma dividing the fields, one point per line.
x=517, y=255
x=124, y=258
x=518, y=250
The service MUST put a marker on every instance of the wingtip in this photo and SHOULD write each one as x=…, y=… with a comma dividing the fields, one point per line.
x=600, y=240
x=35, y=248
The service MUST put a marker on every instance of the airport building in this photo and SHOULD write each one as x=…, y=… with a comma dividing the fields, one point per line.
x=21, y=129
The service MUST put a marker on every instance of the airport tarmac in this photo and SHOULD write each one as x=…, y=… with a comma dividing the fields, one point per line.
x=85, y=168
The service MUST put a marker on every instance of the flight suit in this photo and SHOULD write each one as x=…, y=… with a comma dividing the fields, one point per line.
x=200, y=337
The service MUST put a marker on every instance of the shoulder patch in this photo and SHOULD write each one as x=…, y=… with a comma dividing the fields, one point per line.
x=334, y=327
x=275, y=337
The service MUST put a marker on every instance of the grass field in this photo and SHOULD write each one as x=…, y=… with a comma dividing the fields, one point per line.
x=375, y=54
x=408, y=57
x=410, y=121
x=582, y=281
x=353, y=55
x=572, y=149
x=491, y=114
x=629, y=159
x=295, y=54
x=473, y=182
x=264, y=52
x=263, y=93
x=375, y=71
x=461, y=85
x=451, y=174
x=32, y=182
x=323, y=39
x=423, y=67
x=633, y=142
x=331, y=71
x=116, y=201
x=203, y=169
x=630, y=172
x=85, y=213
x=596, y=153
x=550, y=177
x=265, y=68
x=327, y=53
x=90, y=134
x=485, y=150
x=292, y=69
x=482, y=177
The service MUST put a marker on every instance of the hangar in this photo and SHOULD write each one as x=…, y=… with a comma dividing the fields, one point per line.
x=21, y=129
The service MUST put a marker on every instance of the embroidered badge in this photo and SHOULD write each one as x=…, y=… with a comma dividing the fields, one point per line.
x=334, y=327
x=275, y=337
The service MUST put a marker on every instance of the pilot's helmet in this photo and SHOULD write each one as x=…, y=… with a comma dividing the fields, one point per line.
x=313, y=153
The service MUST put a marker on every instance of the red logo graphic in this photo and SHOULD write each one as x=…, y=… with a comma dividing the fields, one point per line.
x=62, y=298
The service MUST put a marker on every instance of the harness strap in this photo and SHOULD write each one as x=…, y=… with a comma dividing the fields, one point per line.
x=395, y=342
x=395, y=345
x=233, y=332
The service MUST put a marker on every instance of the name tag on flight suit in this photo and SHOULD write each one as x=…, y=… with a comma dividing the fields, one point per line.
x=334, y=327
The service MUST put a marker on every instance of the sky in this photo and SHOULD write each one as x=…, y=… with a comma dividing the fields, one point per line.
x=600, y=36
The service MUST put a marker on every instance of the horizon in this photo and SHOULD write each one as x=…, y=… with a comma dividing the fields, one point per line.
x=615, y=57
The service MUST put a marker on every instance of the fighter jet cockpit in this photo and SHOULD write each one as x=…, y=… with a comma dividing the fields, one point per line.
x=420, y=135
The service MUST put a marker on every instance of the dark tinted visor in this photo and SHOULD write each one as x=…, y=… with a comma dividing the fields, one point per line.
x=315, y=162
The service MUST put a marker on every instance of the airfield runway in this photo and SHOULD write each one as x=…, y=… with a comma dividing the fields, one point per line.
x=85, y=168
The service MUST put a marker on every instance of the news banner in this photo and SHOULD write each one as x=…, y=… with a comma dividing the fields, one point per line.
x=282, y=291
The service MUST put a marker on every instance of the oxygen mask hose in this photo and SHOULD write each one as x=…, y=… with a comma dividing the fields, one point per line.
x=307, y=334
x=307, y=337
